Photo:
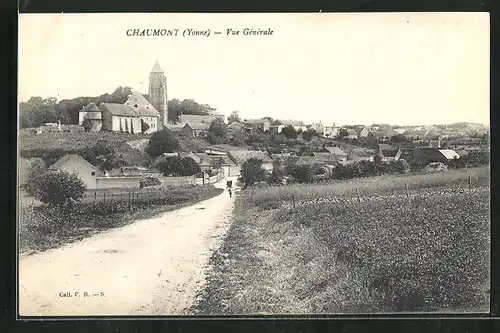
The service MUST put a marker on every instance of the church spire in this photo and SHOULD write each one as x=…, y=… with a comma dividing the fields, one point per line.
x=157, y=68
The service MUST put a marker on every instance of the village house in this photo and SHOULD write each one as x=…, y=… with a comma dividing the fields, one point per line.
x=340, y=155
x=235, y=127
x=363, y=132
x=184, y=131
x=120, y=118
x=296, y=124
x=424, y=156
x=259, y=125
x=199, y=124
x=241, y=156
x=75, y=164
x=318, y=127
x=389, y=153
x=360, y=154
x=330, y=131
x=351, y=134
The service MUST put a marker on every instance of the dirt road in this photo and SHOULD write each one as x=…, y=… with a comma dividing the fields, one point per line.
x=150, y=267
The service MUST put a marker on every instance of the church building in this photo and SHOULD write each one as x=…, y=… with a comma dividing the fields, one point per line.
x=138, y=109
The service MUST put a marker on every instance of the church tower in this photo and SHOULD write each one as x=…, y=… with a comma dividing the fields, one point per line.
x=158, y=93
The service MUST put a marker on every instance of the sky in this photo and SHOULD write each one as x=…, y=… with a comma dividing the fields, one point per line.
x=350, y=68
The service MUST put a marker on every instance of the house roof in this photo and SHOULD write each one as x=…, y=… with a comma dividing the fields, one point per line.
x=176, y=127
x=198, y=118
x=352, y=132
x=449, y=153
x=91, y=107
x=143, y=108
x=326, y=156
x=242, y=155
x=198, y=126
x=235, y=126
x=157, y=68
x=226, y=148
x=314, y=160
x=256, y=121
x=336, y=151
x=68, y=158
x=288, y=122
x=391, y=152
x=118, y=109
x=205, y=158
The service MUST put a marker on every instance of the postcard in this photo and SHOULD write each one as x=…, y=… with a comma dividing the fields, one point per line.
x=188, y=164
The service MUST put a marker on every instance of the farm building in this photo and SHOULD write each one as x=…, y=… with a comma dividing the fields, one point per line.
x=75, y=164
x=427, y=155
x=92, y=113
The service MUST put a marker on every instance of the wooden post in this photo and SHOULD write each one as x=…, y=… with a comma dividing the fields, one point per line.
x=95, y=197
x=407, y=190
x=121, y=195
x=104, y=198
x=470, y=182
x=293, y=200
x=357, y=192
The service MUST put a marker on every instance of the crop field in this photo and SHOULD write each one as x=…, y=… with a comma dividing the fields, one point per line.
x=388, y=252
x=73, y=141
x=387, y=184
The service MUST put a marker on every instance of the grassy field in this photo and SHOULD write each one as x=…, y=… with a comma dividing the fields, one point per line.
x=44, y=227
x=395, y=183
x=426, y=253
x=73, y=141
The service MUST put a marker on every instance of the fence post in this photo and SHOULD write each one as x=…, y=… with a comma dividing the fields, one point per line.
x=121, y=196
x=95, y=197
x=104, y=198
x=407, y=190
x=470, y=182
x=293, y=200
x=357, y=192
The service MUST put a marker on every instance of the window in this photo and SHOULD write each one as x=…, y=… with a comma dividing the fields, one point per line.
x=93, y=173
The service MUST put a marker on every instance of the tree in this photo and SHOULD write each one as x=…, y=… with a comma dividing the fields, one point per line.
x=342, y=133
x=233, y=117
x=55, y=188
x=87, y=125
x=174, y=110
x=398, y=138
x=104, y=127
x=177, y=166
x=190, y=167
x=144, y=126
x=289, y=132
x=213, y=139
x=307, y=135
x=302, y=173
x=252, y=171
x=37, y=111
x=218, y=127
x=162, y=142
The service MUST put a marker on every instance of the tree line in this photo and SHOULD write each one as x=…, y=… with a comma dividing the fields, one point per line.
x=37, y=110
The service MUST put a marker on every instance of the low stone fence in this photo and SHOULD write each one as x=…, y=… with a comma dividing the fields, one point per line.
x=134, y=182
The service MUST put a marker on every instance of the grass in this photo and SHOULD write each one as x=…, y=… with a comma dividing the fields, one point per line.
x=47, y=227
x=427, y=253
x=369, y=185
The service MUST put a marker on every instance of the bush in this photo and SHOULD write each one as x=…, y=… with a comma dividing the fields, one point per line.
x=144, y=126
x=289, y=132
x=55, y=188
x=177, y=166
x=302, y=173
x=87, y=125
x=252, y=171
x=149, y=181
x=162, y=142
